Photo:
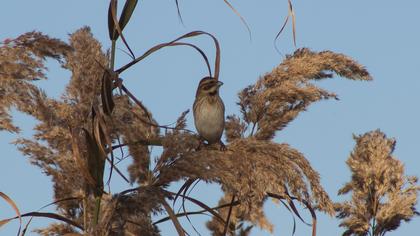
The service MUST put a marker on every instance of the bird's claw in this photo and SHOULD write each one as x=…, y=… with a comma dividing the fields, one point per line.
x=222, y=146
x=200, y=144
x=203, y=143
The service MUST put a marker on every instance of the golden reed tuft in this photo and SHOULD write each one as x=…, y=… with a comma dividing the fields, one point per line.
x=252, y=169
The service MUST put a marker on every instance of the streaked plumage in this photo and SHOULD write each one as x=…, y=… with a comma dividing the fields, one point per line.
x=209, y=110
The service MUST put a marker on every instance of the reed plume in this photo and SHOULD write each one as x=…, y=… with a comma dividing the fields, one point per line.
x=381, y=195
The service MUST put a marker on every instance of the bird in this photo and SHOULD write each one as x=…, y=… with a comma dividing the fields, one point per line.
x=209, y=111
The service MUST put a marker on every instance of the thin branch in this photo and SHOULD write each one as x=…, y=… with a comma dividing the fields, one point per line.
x=148, y=142
x=147, y=113
x=136, y=101
x=307, y=204
x=228, y=217
x=235, y=203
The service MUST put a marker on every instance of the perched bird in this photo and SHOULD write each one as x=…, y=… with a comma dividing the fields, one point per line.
x=209, y=111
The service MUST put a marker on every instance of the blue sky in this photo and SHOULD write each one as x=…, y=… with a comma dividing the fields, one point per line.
x=382, y=35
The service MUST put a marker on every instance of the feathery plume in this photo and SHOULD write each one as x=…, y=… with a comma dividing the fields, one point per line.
x=381, y=195
x=278, y=97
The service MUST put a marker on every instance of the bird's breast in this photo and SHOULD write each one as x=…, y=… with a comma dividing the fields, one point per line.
x=209, y=119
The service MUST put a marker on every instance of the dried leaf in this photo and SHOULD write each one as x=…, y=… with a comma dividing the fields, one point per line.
x=106, y=92
x=240, y=17
x=117, y=26
x=15, y=208
x=96, y=163
x=49, y=215
x=174, y=219
x=188, y=35
x=290, y=13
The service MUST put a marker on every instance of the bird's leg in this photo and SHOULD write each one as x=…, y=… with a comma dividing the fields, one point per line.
x=222, y=146
x=200, y=144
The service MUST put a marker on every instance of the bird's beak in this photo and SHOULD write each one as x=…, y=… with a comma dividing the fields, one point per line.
x=219, y=83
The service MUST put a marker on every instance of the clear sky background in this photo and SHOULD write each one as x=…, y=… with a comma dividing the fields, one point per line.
x=382, y=35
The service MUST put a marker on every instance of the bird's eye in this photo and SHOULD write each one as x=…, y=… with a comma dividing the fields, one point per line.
x=207, y=87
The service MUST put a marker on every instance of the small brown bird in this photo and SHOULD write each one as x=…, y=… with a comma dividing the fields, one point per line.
x=209, y=111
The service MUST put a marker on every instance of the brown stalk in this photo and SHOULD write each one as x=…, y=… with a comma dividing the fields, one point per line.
x=228, y=216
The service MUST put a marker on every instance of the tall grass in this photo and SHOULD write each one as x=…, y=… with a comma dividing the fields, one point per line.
x=78, y=135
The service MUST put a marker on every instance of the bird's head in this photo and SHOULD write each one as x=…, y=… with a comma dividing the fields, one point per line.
x=208, y=86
